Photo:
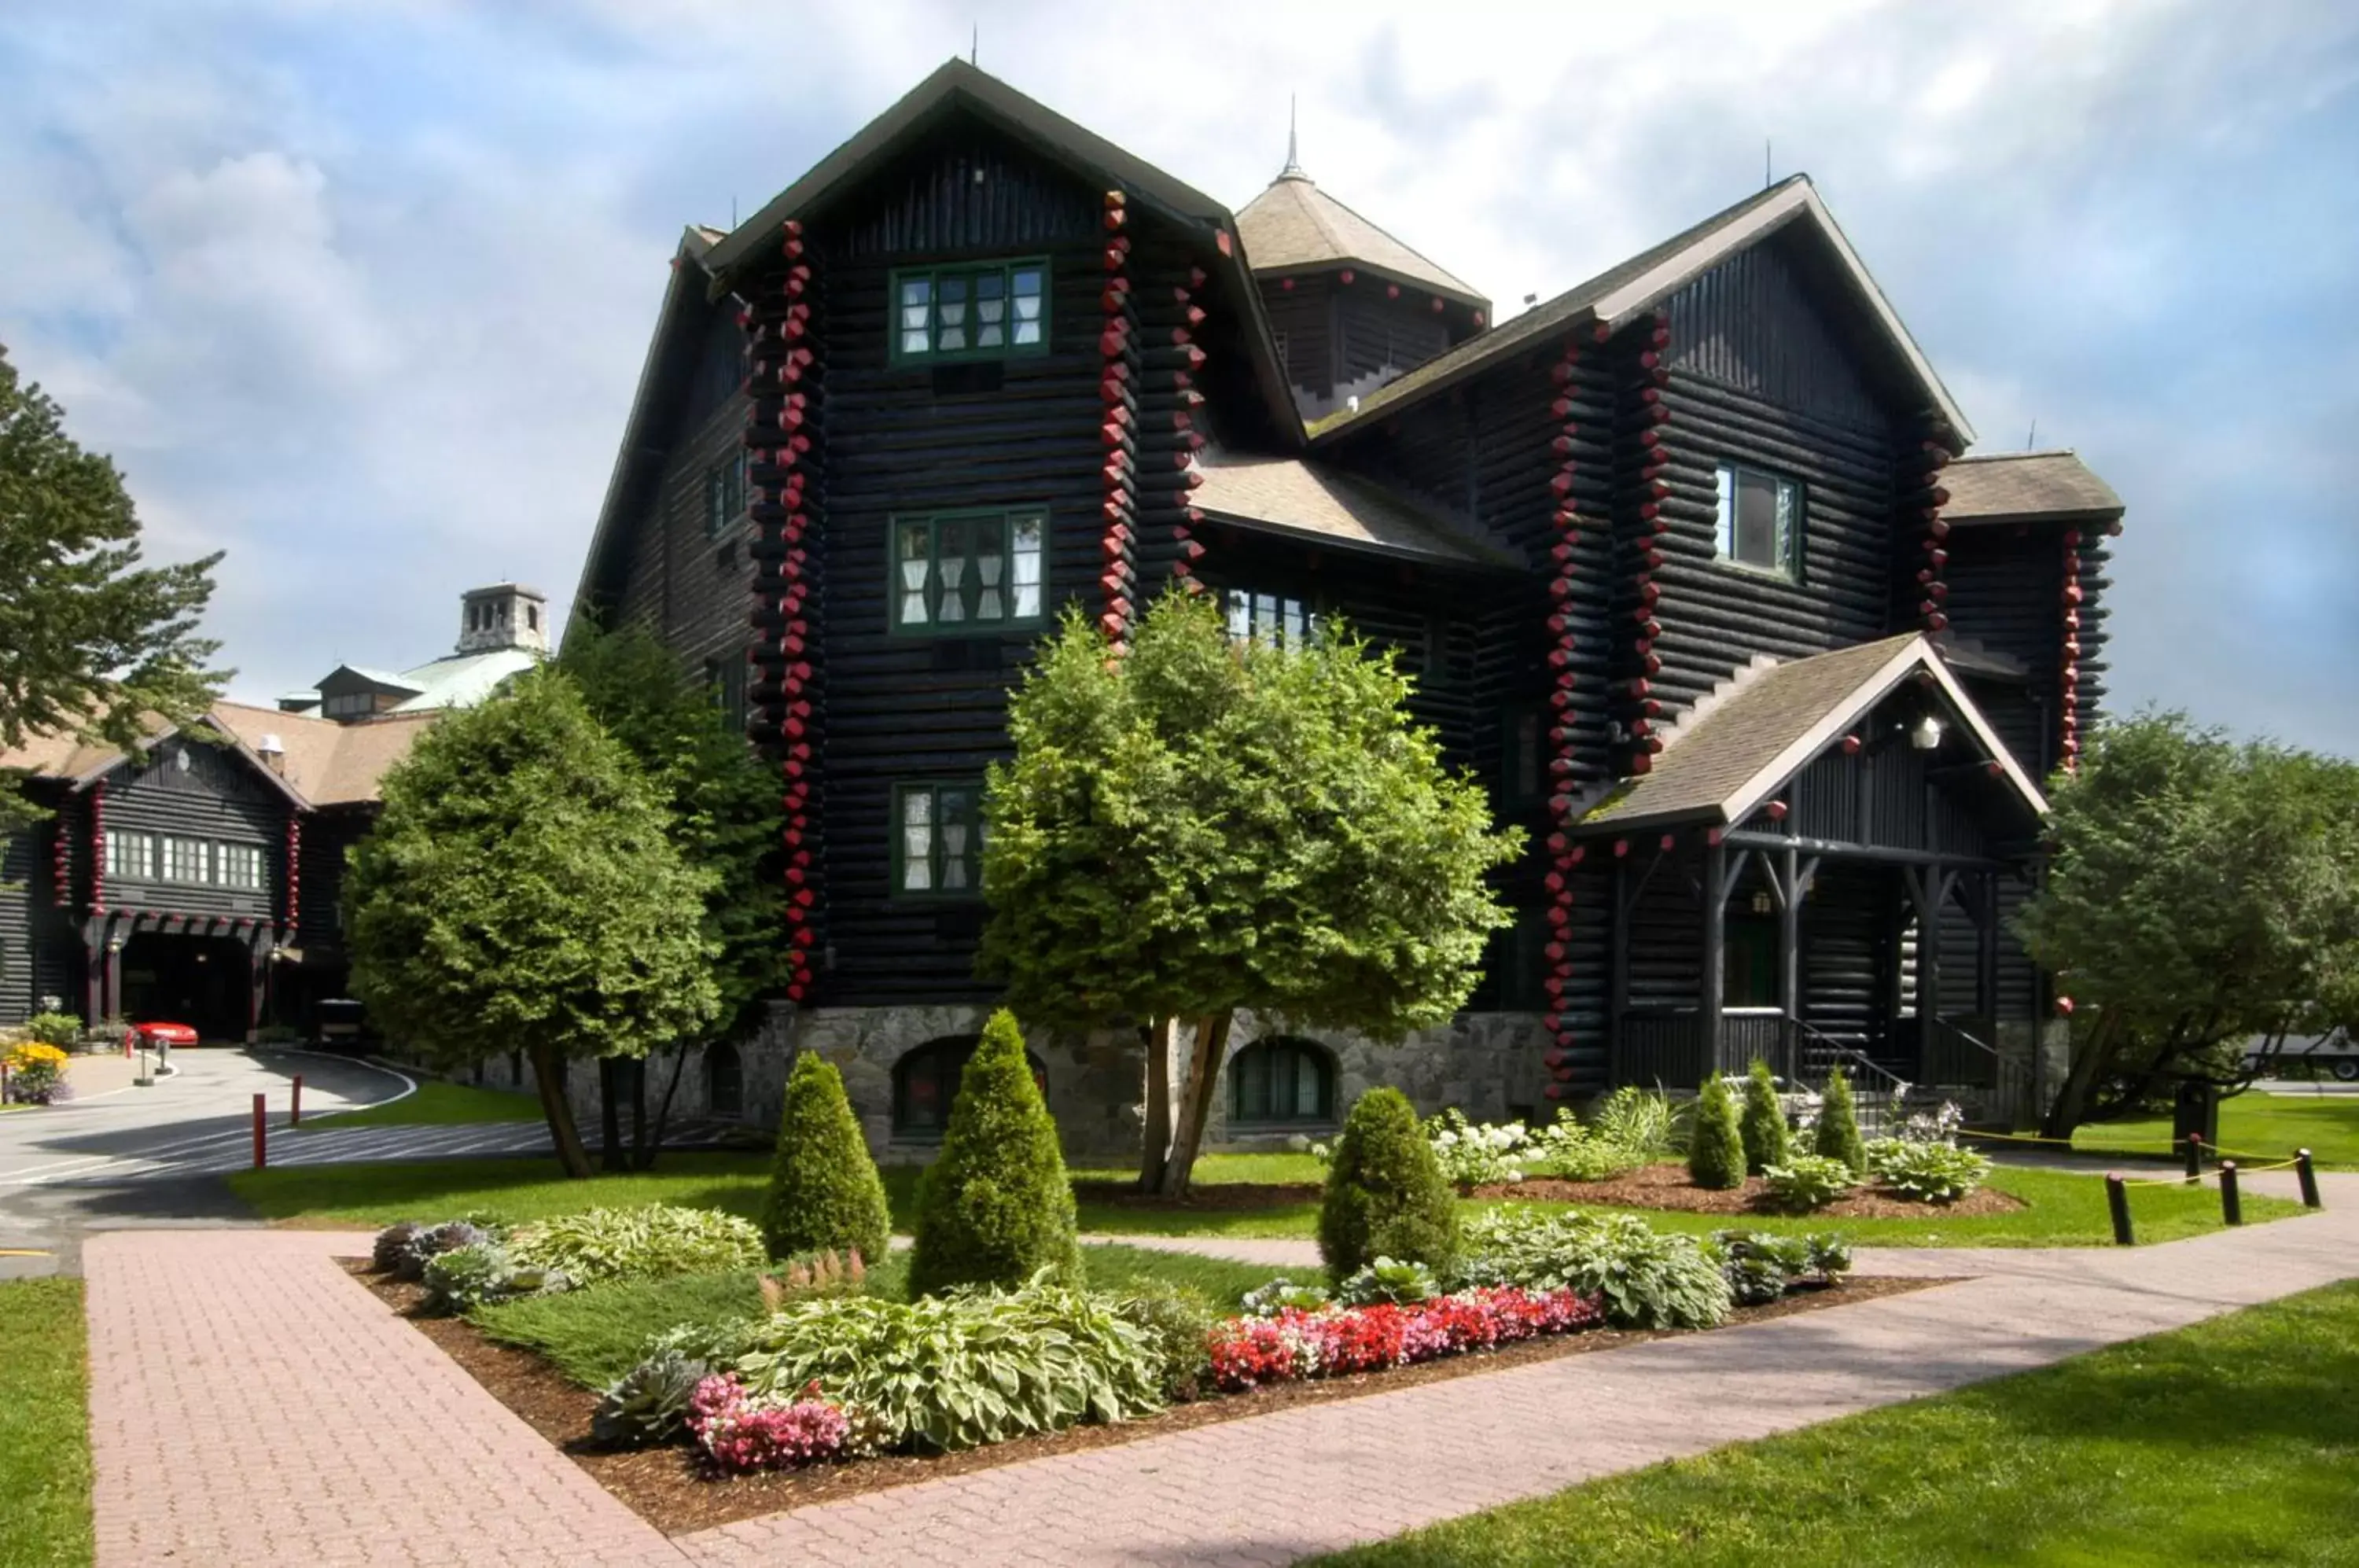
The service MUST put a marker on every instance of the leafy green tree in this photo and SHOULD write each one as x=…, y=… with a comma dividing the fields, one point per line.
x=1386, y=1195
x=91, y=642
x=520, y=890
x=1837, y=1134
x=725, y=816
x=1197, y=826
x=825, y=1193
x=1715, y=1149
x=995, y=1207
x=1763, y=1127
x=2204, y=893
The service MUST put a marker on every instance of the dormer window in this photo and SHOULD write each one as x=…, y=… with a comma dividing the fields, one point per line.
x=1760, y=521
x=993, y=310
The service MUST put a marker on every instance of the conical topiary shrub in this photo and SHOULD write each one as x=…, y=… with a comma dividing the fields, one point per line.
x=825, y=1195
x=1837, y=1136
x=1764, y=1127
x=996, y=1208
x=1715, y=1152
x=1385, y=1196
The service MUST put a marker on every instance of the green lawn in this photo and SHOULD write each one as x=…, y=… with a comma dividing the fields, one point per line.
x=2234, y=1441
x=437, y=1104
x=594, y=1335
x=44, y=1426
x=2272, y=1125
x=2065, y=1209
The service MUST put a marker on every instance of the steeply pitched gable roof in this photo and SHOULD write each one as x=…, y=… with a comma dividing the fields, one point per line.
x=1617, y=296
x=2026, y=486
x=1294, y=226
x=321, y=763
x=1722, y=761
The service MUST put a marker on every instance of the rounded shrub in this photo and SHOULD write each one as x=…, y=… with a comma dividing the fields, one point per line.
x=1763, y=1127
x=1715, y=1152
x=825, y=1195
x=995, y=1207
x=1386, y=1195
x=1837, y=1134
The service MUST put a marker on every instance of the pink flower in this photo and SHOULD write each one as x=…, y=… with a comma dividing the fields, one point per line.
x=744, y=1432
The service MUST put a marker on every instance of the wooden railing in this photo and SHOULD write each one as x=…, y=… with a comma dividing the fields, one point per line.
x=1666, y=1045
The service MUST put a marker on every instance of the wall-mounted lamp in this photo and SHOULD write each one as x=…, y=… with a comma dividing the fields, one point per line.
x=1761, y=903
x=1926, y=734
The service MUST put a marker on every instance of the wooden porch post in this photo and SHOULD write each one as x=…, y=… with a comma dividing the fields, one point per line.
x=93, y=969
x=111, y=996
x=1617, y=966
x=1714, y=979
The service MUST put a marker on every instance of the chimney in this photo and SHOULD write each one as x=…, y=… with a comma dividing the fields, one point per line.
x=503, y=615
x=273, y=752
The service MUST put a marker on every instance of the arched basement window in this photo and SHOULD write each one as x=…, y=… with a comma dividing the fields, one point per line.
x=724, y=1081
x=1282, y=1079
x=926, y=1083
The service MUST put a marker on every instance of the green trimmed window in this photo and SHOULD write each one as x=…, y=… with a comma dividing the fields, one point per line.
x=1523, y=757
x=725, y=679
x=937, y=840
x=1280, y=1081
x=1269, y=618
x=991, y=310
x=724, y=495
x=967, y=572
x=188, y=860
x=1759, y=523
x=130, y=855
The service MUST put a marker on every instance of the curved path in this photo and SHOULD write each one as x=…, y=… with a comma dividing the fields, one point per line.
x=299, y=1423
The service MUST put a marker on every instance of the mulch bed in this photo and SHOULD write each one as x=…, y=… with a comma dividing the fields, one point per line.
x=666, y=1487
x=1667, y=1187
x=1204, y=1197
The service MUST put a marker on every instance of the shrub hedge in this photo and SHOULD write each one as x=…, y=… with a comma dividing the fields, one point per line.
x=825, y=1195
x=996, y=1208
x=1386, y=1195
x=1715, y=1152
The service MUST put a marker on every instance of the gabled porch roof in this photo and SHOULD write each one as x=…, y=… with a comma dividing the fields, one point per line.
x=1740, y=747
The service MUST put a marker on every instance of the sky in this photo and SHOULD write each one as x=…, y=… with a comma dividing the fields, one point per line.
x=360, y=294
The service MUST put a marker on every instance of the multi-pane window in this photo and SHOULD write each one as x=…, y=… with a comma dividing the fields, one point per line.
x=130, y=854
x=988, y=312
x=1271, y=619
x=1760, y=520
x=188, y=860
x=238, y=865
x=937, y=840
x=350, y=705
x=968, y=570
x=725, y=678
x=724, y=495
x=1522, y=763
x=1281, y=1081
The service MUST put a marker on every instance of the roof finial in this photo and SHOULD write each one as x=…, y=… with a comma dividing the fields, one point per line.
x=1293, y=170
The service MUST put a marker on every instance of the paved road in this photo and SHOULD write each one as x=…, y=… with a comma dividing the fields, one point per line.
x=153, y=1156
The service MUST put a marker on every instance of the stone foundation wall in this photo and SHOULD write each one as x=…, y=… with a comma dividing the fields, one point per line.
x=1487, y=1064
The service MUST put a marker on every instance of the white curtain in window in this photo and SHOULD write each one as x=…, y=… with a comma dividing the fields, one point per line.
x=916, y=315
x=917, y=565
x=949, y=311
x=990, y=563
x=917, y=841
x=1026, y=287
x=1026, y=577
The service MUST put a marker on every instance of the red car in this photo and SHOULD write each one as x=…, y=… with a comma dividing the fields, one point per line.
x=157, y=1035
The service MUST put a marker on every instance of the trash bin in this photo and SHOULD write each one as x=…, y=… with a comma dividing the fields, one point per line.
x=2196, y=1110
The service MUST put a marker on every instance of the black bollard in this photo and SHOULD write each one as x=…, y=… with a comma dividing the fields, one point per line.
x=2231, y=1206
x=2117, y=1198
x=2307, y=1174
x=2193, y=1147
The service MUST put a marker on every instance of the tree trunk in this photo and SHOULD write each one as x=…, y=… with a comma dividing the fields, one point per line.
x=610, y=1115
x=561, y=1130
x=1196, y=1109
x=2089, y=1064
x=644, y=1156
x=1162, y=1034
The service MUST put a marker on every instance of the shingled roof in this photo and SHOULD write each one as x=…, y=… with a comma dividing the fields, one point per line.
x=321, y=763
x=2026, y=486
x=1737, y=749
x=1617, y=296
x=1288, y=495
x=1294, y=226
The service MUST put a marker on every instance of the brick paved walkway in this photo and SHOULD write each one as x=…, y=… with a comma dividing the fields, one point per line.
x=297, y=1422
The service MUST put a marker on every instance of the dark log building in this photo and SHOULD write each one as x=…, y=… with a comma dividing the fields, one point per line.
x=199, y=880
x=1691, y=564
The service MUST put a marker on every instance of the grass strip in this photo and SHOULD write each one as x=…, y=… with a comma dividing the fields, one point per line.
x=44, y=1426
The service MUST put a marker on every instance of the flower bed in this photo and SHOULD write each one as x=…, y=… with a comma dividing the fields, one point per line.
x=1247, y=1353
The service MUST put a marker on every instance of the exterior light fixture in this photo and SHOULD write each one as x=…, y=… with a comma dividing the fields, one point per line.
x=1761, y=903
x=1926, y=734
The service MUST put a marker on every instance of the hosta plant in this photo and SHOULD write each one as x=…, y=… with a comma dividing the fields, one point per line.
x=658, y=1241
x=1807, y=1182
x=1759, y=1267
x=1389, y=1280
x=649, y=1403
x=1929, y=1172
x=1643, y=1277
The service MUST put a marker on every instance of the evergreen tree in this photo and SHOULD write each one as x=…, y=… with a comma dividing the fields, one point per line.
x=825, y=1195
x=1715, y=1151
x=995, y=1207
x=91, y=642
x=1386, y=1195
x=1763, y=1125
x=1837, y=1136
x=519, y=889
